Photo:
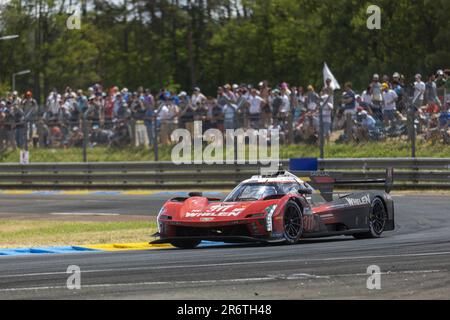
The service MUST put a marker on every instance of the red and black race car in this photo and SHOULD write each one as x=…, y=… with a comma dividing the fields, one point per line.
x=270, y=209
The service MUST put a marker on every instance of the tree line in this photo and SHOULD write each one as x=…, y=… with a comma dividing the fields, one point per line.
x=180, y=44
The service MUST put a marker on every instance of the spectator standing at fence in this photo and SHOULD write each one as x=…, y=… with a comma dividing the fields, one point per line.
x=228, y=92
x=400, y=91
x=15, y=99
x=387, y=80
x=285, y=105
x=431, y=95
x=229, y=116
x=118, y=103
x=3, y=136
x=216, y=107
x=349, y=102
x=70, y=104
x=242, y=108
x=94, y=112
x=447, y=86
x=30, y=109
x=266, y=111
x=366, y=96
x=312, y=100
x=419, y=91
x=123, y=112
x=328, y=90
x=53, y=115
x=148, y=98
x=186, y=117
x=255, y=108
x=163, y=114
x=150, y=123
x=300, y=107
x=108, y=111
x=82, y=102
x=10, y=126
x=53, y=102
x=264, y=90
x=197, y=97
x=19, y=123
x=275, y=102
x=389, y=100
x=137, y=109
x=166, y=114
x=327, y=111
x=377, y=97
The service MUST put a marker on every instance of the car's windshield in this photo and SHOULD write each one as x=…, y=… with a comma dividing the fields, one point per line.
x=257, y=191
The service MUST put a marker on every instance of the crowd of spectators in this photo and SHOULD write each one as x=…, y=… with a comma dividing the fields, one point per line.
x=389, y=107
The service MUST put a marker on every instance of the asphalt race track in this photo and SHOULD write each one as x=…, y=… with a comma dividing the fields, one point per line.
x=414, y=260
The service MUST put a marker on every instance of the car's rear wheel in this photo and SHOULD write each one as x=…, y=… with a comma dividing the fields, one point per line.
x=185, y=244
x=293, y=223
x=377, y=220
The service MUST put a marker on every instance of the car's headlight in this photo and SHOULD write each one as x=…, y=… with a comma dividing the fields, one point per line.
x=270, y=210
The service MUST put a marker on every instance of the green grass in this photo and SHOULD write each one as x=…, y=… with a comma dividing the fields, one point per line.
x=369, y=150
x=26, y=233
x=390, y=149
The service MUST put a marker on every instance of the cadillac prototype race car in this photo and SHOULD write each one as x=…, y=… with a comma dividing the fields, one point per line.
x=272, y=209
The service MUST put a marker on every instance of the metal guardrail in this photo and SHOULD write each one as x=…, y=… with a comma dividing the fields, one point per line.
x=408, y=173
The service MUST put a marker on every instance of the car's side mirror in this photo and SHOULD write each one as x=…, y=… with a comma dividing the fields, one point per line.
x=305, y=191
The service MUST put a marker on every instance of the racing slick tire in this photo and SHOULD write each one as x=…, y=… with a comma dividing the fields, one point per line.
x=185, y=244
x=377, y=221
x=292, y=223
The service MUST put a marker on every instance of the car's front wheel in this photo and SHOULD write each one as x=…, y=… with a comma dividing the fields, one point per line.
x=377, y=221
x=185, y=244
x=293, y=223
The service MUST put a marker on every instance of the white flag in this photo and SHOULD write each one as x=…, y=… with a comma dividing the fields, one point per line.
x=328, y=75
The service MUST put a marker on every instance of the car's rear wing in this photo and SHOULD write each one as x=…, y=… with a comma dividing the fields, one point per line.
x=326, y=182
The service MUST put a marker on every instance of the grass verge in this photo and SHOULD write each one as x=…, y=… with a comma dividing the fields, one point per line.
x=40, y=233
x=394, y=149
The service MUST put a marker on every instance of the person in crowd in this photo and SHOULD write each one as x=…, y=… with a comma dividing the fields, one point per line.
x=301, y=104
x=228, y=92
x=168, y=116
x=256, y=104
x=215, y=109
x=285, y=105
x=150, y=123
x=328, y=90
x=197, y=97
x=19, y=124
x=31, y=110
x=362, y=104
x=377, y=97
x=431, y=95
x=327, y=112
x=367, y=125
x=349, y=103
x=109, y=110
x=399, y=89
x=242, y=104
x=419, y=91
x=389, y=102
x=229, y=116
x=122, y=135
x=137, y=110
x=266, y=111
x=312, y=100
